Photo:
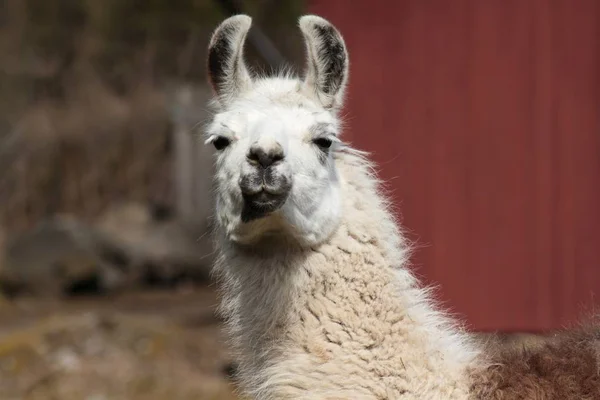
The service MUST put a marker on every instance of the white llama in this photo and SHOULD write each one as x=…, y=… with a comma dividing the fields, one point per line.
x=316, y=292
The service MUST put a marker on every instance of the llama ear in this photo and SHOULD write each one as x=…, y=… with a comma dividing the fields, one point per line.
x=227, y=70
x=327, y=69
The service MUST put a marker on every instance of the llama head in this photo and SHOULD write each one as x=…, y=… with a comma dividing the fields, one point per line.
x=275, y=137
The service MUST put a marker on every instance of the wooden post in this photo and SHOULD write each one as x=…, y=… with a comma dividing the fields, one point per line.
x=193, y=161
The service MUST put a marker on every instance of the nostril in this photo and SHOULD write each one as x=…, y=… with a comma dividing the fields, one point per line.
x=264, y=158
x=276, y=157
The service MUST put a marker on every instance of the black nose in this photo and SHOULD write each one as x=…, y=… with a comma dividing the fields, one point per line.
x=264, y=157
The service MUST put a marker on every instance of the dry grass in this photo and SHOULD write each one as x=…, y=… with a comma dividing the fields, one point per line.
x=142, y=348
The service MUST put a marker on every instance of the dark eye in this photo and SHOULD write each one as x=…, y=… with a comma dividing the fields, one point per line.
x=221, y=142
x=323, y=143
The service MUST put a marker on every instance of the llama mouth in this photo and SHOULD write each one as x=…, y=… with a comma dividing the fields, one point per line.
x=266, y=182
x=261, y=204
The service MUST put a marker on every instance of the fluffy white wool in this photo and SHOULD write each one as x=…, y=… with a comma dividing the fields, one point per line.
x=344, y=319
x=318, y=298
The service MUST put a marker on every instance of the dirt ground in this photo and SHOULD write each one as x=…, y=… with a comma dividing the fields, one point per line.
x=145, y=345
x=151, y=345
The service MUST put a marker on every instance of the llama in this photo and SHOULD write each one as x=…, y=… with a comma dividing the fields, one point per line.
x=313, y=268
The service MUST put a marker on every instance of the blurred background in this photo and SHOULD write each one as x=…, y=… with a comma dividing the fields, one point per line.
x=483, y=117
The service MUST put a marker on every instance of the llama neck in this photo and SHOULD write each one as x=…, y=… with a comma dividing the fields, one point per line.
x=303, y=321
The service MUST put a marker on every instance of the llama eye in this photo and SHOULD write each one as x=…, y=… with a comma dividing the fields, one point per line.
x=323, y=143
x=221, y=142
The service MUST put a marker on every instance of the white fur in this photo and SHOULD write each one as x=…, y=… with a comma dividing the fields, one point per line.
x=318, y=298
x=274, y=109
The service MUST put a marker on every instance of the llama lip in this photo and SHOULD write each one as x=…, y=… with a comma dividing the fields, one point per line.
x=266, y=180
x=261, y=204
x=276, y=183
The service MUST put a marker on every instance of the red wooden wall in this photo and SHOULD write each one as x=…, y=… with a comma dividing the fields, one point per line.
x=484, y=117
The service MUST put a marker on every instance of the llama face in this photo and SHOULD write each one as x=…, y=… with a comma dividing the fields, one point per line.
x=275, y=138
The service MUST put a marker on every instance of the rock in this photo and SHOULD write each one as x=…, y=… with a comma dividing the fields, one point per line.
x=54, y=258
x=156, y=250
x=125, y=247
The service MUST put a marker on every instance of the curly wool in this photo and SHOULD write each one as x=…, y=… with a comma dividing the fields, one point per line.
x=345, y=319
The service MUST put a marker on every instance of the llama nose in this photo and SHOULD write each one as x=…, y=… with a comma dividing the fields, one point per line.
x=265, y=156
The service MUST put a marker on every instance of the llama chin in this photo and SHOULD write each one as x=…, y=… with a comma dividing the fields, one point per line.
x=312, y=266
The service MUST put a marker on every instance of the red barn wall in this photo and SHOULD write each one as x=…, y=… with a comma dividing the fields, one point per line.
x=484, y=119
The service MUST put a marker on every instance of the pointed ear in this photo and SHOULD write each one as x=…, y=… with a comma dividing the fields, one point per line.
x=327, y=69
x=227, y=72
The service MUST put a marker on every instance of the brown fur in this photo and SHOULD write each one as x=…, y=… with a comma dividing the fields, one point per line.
x=565, y=366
